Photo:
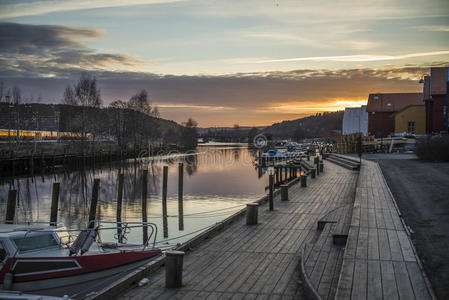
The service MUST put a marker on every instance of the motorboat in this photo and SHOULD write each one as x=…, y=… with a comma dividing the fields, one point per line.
x=56, y=261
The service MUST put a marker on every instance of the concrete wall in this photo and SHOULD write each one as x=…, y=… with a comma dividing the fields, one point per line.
x=355, y=120
x=413, y=113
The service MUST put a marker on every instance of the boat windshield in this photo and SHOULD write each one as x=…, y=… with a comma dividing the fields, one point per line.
x=35, y=242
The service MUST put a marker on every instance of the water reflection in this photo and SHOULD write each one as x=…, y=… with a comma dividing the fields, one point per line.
x=217, y=183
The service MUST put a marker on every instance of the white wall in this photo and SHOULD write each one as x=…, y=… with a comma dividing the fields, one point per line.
x=355, y=120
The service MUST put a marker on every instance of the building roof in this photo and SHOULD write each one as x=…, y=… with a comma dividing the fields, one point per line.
x=393, y=102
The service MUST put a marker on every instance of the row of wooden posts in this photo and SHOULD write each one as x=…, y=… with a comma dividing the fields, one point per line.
x=12, y=196
x=252, y=208
x=174, y=259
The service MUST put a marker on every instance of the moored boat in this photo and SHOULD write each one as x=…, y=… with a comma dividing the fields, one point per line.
x=45, y=260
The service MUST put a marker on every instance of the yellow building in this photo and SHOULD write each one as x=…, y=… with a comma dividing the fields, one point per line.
x=411, y=119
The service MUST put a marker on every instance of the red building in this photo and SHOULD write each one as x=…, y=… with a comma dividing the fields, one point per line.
x=435, y=96
x=382, y=107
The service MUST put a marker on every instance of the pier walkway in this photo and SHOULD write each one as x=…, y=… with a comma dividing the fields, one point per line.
x=261, y=261
x=360, y=249
x=380, y=261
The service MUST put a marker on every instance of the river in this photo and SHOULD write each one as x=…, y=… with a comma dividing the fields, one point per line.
x=218, y=181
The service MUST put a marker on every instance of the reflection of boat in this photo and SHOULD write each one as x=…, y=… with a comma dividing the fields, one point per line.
x=44, y=260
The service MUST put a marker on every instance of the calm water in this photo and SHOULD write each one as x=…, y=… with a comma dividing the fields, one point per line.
x=218, y=181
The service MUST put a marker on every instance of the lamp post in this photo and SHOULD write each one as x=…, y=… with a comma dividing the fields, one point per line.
x=270, y=188
x=446, y=110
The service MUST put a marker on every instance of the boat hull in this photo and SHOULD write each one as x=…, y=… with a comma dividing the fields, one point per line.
x=92, y=275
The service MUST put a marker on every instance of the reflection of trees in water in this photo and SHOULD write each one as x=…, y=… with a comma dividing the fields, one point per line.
x=34, y=193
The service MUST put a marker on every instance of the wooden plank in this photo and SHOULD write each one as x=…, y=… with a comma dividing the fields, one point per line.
x=389, y=289
x=403, y=282
x=395, y=247
x=345, y=282
x=374, y=280
x=406, y=246
x=384, y=245
x=418, y=284
x=373, y=244
x=359, y=286
x=362, y=244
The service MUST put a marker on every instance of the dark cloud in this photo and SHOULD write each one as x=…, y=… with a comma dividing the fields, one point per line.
x=47, y=50
x=43, y=60
x=22, y=38
x=237, y=90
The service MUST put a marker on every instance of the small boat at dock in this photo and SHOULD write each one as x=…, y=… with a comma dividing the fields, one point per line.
x=55, y=261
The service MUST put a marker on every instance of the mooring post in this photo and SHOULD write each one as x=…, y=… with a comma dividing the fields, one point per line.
x=321, y=166
x=180, y=196
x=270, y=196
x=318, y=166
x=308, y=157
x=303, y=180
x=251, y=213
x=11, y=206
x=284, y=192
x=313, y=173
x=93, y=203
x=144, y=206
x=119, y=206
x=278, y=178
x=164, y=200
x=173, y=269
x=54, y=204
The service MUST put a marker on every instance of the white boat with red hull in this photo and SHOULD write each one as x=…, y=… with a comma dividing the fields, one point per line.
x=44, y=260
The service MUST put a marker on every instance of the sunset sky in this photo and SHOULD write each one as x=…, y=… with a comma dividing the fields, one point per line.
x=222, y=62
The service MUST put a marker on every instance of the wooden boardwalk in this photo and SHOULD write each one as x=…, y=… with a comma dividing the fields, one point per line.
x=379, y=261
x=262, y=261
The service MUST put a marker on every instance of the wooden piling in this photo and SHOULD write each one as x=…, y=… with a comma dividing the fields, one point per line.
x=11, y=206
x=251, y=213
x=144, y=205
x=321, y=166
x=270, y=195
x=94, y=202
x=119, y=206
x=284, y=192
x=54, y=204
x=313, y=173
x=164, y=201
x=303, y=180
x=318, y=166
x=173, y=269
x=180, y=196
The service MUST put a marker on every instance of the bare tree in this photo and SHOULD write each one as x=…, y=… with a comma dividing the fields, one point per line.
x=84, y=92
x=156, y=112
x=141, y=102
x=118, y=104
x=2, y=86
x=191, y=123
x=16, y=95
x=69, y=96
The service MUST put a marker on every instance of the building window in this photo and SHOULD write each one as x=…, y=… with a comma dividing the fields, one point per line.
x=411, y=127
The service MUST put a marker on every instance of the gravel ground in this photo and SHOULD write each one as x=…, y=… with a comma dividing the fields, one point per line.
x=421, y=190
